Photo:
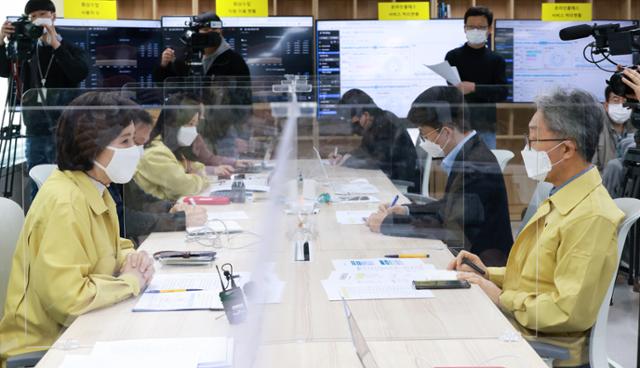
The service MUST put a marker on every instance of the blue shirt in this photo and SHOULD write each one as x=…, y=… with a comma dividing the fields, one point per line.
x=447, y=162
x=554, y=190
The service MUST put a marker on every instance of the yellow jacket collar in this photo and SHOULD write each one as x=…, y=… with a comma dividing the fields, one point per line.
x=574, y=192
x=89, y=190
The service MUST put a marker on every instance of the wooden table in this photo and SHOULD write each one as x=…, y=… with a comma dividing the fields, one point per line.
x=456, y=327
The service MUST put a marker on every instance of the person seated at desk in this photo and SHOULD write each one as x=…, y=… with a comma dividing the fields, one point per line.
x=139, y=213
x=563, y=260
x=69, y=259
x=169, y=168
x=473, y=214
x=385, y=144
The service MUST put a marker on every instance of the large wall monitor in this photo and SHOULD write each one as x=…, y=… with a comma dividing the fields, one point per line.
x=537, y=60
x=383, y=58
x=120, y=51
x=271, y=46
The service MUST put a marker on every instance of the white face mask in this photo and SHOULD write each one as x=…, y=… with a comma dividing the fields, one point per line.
x=476, y=36
x=123, y=164
x=43, y=22
x=537, y=163
x=433, y=149
x=618, y=113
x=186, y=136
x=141, y=150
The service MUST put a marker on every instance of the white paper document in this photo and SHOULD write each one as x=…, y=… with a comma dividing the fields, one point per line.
x=228, y=215
x=353, y=217
x=213, y=352
x=357, y=186
x=357, y=198
x=203, y=295
x=382, y=264
x=349, y=291
x=446, y=71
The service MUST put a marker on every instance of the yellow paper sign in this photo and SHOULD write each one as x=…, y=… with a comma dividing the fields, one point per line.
x=403, y=10
x=91, y=9
x=242, y=8
x=567, y=12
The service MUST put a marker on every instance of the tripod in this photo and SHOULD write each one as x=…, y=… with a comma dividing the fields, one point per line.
x=9, y=130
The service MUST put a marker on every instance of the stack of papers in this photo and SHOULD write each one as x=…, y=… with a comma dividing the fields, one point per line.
x=357, y=186
x=204, y=289
x=209, y=352
x=381, y=278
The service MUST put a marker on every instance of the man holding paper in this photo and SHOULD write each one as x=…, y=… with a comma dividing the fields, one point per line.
x=482, y=71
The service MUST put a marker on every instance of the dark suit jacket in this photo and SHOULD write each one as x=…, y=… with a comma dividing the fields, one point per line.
x=473, y=214
x=386, y=146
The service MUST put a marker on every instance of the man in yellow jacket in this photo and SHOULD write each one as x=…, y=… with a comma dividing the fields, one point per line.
x=562, y=262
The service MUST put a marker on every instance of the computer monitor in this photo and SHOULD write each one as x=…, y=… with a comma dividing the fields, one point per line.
x=383, y=58
x=537, y=60
x=120, y=51
x=271, y=46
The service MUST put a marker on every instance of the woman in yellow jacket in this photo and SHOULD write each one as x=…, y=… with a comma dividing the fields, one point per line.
x=69, y=258
x=168, y=168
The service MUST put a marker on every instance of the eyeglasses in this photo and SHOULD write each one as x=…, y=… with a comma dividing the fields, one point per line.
x=528, y=141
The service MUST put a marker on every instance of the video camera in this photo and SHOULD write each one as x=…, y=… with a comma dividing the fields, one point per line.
x=22, y=41
x=610, y=39
x=196, y=41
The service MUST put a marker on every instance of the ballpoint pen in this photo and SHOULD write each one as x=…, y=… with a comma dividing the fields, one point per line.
x=473, y=265
x=408, y=255
x=395, y=200
x=170, y=291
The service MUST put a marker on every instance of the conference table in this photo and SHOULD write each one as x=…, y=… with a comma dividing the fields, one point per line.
x=455, y=328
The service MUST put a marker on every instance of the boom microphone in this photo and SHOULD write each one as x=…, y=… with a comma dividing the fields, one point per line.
x=576, y=32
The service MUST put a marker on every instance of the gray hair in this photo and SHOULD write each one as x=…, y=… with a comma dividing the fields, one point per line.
x=575, y=114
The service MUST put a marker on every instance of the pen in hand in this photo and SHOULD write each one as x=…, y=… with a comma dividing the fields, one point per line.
x=395, y=200
x=473, y=265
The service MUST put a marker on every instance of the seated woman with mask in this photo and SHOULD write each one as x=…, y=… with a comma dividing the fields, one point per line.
x=69, y=258
x=168, y=168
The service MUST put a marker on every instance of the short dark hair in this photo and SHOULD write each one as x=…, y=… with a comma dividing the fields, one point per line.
x=356, y=103
x=142, y=116
x=178, y=111
x=37, y=5
x=475, y=11
x=608, y=91
x=86, y=127
x=439, y=106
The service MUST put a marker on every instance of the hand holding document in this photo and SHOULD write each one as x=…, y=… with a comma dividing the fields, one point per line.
x=446, y=71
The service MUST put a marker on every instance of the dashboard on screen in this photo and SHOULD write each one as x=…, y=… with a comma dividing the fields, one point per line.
x=120, y=51
x=271, y=46
x=537, y=60
x=386, y=59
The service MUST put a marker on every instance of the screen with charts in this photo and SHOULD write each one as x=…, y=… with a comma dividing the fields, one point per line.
x=270, y=46
x=537, y=60
x=120, y=51
x=383, y=58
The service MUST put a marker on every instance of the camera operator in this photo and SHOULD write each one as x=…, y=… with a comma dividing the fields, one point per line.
x=224, y=130
x=54, y=64
x=614, y=172
x=218, y=60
